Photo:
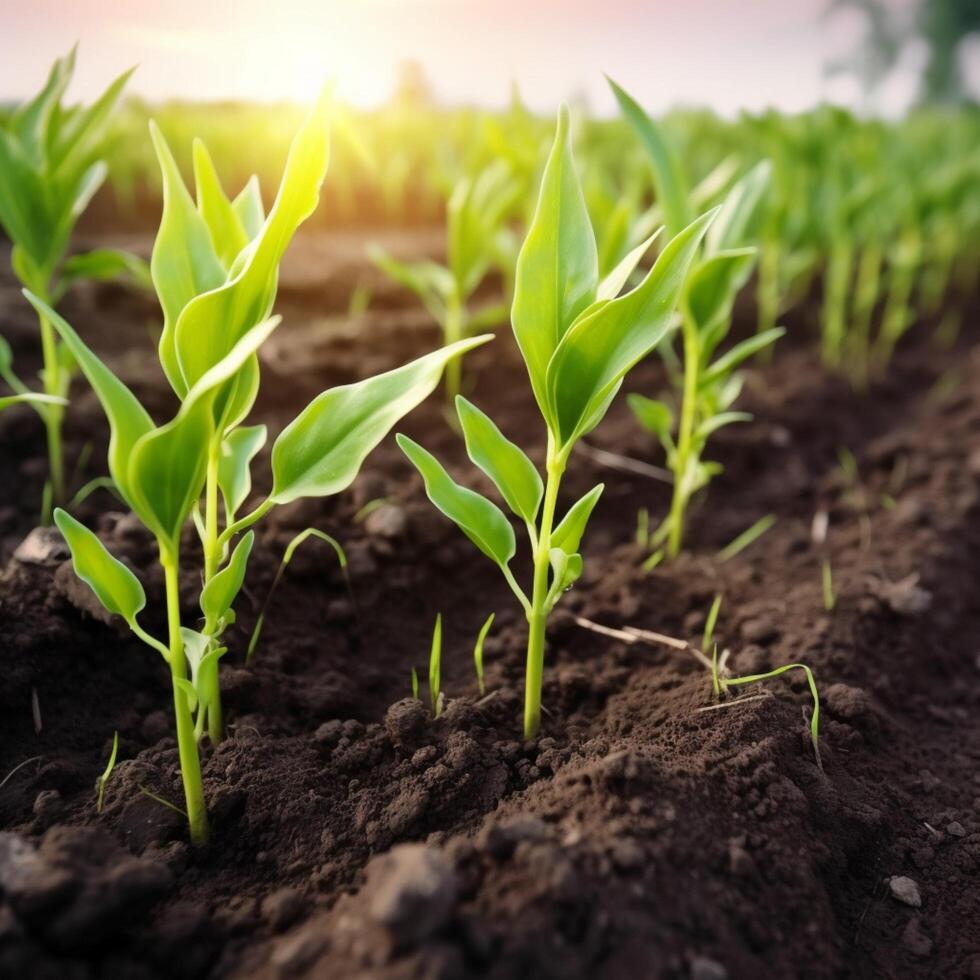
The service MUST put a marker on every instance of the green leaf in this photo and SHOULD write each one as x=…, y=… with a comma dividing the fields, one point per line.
x=117, y=588
x=211, y=323
x=435, y=667
x=654, y=416
x=668, y=175
x=568, y=534
x=228, y=236
x=166, y=471
x=565, y=569
x=478, y=652
x=739, y=353
x=219, y=594
x=713, y=286
x=102, y=264
x=320, y=452
x=716, y=422
x=23, y=213
x=613, y=284
x=128, y=420
x=738, y=210
x=482, y=521
x=184, y=263
x=603, y=344
x=504, y=462
x=30, y=397
x=248, y=207
x=238, y=450
x=558, y=266
x=187, y=689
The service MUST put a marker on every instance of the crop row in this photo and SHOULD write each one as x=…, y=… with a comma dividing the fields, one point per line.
x=595, y=279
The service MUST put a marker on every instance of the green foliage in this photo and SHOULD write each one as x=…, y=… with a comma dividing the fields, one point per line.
x=478, y=652
x=50, y=167
x=107, y=772
x=116, y=587
x=727, y=682
x=707, y=385
x=477, y=240
x=435, y=668
x=579, y=339
x=304, y=535
x=215, y=269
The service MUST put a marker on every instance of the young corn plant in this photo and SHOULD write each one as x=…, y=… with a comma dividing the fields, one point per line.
x=476, y=218
x=216, y=305
x=50, y=167
x=579, y=338
x=708, y=385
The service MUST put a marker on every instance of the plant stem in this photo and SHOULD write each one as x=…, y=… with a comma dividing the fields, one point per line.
x=454, y=328
x=212, y=549
x=213, y=552
x=685, y=434
x=538, y=616
x=190, y=762
x=53, y=414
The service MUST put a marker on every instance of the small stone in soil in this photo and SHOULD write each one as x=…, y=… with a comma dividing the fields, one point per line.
x=43, y=546
x=905, y=890
x=705, y=968
x=412, y=892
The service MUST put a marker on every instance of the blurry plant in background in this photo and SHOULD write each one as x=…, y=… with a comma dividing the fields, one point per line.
x=51, y=165
x=941, y=25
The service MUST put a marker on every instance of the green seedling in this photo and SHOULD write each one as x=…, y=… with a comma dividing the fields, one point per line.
x=579, y=337
x=50, y=167
x=749, y=536
x=827, y=578
x=727, y=682
x=708, y=385
x=310, y=532
x=709, y=626
x=476, y=218
x=215, y=269
x=104, y=778
x=435, y=668
x=478, y=653
x=415, y=684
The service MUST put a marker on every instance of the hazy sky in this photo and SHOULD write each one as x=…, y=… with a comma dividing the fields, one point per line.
x=729, y=54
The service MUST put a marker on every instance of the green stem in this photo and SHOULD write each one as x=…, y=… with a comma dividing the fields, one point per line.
x=538, y=615
x=454, y=328
x=190, y=762
x=212, y=549
x=685, y=435
x=54, y=384
x=213, y=553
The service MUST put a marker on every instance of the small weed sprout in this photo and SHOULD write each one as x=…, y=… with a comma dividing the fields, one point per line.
x=478, y=653
x=310, y=532
x=827, y=578
x=104, y=778
x=579, y=338
x=708, y=385
x=50, y=167
x=749, y=536
x=710, y=623
x=435, y=668
x=727, y=682
x=215, y=270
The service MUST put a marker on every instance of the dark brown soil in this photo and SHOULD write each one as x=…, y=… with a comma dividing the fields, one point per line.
x=640, y=836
